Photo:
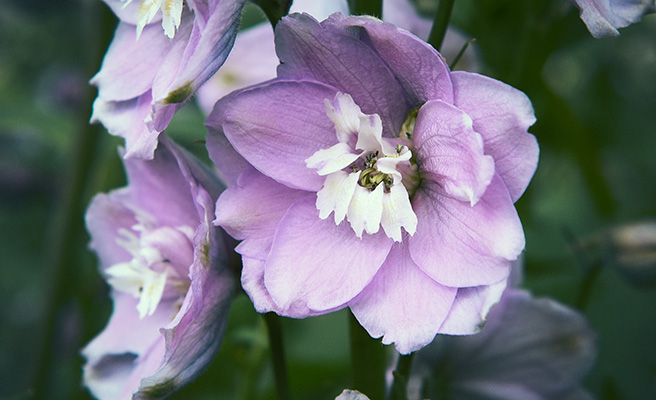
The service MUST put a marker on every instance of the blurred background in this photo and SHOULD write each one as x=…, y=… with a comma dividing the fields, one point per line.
x=595, y=104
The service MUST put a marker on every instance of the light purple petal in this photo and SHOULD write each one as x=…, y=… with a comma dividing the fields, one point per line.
x=470, y=308
x=315, y=265
x=402, y=303
x=252, y=280
x=276, y=126
x=331, y=55
x=403, y=14
x=450, y=152
x=252, y=60
x=159, y=188
x=195, y=334
x=127, y=119
x=229, y=164
x=208, y=47
x=114, y=353
x=502, y=115
x=253, y=208
x=105, y=216
x=604, y=17
x=537, y=344
x=127, y=70
x=417, y=66
x=463, y=246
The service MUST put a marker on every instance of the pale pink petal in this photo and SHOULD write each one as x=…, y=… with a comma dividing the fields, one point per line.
x=463, y=246
x=470, y=308
x=402, y=304
x=450, y=153
x=252, y=60
x=422, y=72
x=331, y=55
x=276, y=126
x=502, y=115
x=315, y=265
x=254, y=206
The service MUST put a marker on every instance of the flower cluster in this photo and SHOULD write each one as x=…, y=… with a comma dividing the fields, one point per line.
x=356, y=170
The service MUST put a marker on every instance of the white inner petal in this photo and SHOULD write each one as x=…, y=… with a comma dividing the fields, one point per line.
x=364, y=173
x=171, y=14
x=149, y=275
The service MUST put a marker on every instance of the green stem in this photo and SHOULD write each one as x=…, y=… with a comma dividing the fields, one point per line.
x=274, y=9
x=401, y=374
x=68, y=225
x=441, y=23
x=368, y=360
x=366, y=7
x=274, y=329
x=461, y=53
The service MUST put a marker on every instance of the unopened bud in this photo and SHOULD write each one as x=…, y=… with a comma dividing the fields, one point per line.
x=634, y=252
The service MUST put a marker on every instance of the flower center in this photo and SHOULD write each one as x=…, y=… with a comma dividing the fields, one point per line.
x=159, y=255
x=365, y=173
x=171, y=14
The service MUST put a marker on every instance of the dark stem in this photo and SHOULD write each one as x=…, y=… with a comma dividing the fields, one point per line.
x=368, y=361
x=440, y=24
x=366, y=7
x=274, y=9
x=401, y=374
x=274, y=329
x=461, y=52
x=68, y=223
x=591, y=268
x=587, y=284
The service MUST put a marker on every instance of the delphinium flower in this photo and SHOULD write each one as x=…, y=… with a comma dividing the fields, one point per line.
x=167, y=267
x=529, y=349
x=161, y=53
x=605, y=17
x=373, y=177
x=253, y=58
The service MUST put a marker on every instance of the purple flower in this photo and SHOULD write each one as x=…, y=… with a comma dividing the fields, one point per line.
x=529, y=349
x=373, y=177
x=253, y=58
x=147, y=73
x=167, y=268
x=604, y=17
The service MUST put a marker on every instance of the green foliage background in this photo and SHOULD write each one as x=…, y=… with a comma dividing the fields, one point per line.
x=594, y=100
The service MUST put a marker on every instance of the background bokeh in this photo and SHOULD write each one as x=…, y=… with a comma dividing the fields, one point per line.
x=595, y=103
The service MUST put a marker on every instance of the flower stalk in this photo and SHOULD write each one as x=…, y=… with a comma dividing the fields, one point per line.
x=366, y=7
x=441, y=23
x=274, y=330
x=401, y=374
x=368, y=361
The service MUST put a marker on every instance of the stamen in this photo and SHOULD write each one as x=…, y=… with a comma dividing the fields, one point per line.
x=353, y=175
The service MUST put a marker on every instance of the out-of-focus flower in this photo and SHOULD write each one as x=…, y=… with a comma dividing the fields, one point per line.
x=529, y=349
x=633, y=252
x=147, y=74
x=167, y=267
x=366, y=122
x=629, y=249
x=253, y=58
x=605, y=17
x=351, y=395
